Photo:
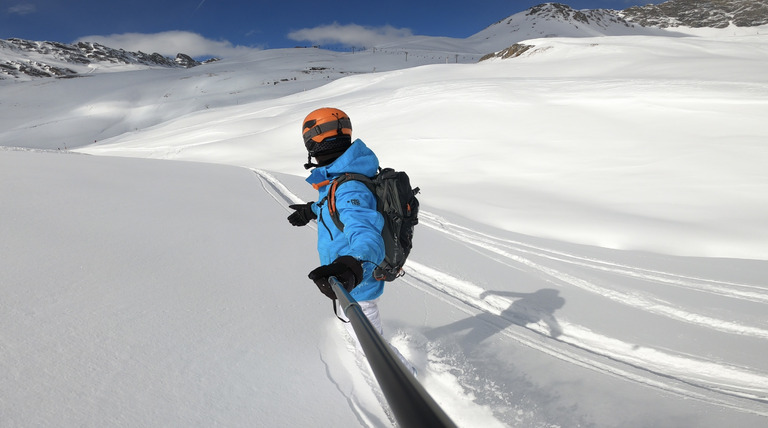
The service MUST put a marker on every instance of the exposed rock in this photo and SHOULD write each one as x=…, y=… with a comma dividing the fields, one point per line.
x=53, y=59
x=700, y=13
x=511, y=52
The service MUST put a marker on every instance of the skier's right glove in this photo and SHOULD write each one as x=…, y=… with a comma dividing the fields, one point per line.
x=302, y=215
x=346, y=269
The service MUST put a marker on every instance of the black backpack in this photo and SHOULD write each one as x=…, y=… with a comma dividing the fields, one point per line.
x=397, y=202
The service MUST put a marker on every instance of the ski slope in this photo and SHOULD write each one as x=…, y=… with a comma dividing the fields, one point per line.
x=160, y=293
x=591, y=249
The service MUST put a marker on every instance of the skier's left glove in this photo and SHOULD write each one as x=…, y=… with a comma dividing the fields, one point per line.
x=346, y=269
x=302, y=215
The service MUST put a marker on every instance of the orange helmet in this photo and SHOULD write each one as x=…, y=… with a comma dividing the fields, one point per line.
x=327, y=130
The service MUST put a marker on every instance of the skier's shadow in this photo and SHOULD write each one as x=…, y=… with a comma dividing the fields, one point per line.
x=530, y=308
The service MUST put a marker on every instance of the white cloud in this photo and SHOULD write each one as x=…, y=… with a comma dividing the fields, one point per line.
x=22, y=9
x=169, y=43
x=350, y=35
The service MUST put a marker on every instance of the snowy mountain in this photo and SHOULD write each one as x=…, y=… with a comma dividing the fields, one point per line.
x=34, y=59
x=698, y=13
x=559, y=20
x=556, y=20
x=24, y=58
x=551, y=20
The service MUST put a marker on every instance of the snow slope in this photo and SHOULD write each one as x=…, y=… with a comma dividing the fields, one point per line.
x=605, y=130
x=592, y=248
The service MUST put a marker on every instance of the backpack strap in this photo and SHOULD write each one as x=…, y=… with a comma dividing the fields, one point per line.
x=368, y=181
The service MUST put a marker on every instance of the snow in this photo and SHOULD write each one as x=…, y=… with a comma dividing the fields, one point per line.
x=591, y=252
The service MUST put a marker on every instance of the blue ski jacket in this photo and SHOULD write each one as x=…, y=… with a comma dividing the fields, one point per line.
x=356, y=206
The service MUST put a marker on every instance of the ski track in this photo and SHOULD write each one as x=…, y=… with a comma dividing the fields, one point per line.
x=722, y=288
x=685, y=375
x=669, y=371
x=502, y=247
x=338, y=353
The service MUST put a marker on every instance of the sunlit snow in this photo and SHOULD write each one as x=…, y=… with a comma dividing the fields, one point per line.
x=593, y=247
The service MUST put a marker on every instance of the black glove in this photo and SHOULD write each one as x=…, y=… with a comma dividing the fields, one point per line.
x=346, y=269
x=303, y=214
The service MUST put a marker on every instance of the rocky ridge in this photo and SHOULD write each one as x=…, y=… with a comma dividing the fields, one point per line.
x=700, y=13
x=26, y=58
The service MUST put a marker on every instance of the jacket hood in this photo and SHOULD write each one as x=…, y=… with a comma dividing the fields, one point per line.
x=358, y=158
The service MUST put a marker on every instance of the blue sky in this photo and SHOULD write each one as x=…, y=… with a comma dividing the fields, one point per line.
x=223, y=27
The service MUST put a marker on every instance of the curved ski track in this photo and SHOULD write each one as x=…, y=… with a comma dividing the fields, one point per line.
x=688, y=376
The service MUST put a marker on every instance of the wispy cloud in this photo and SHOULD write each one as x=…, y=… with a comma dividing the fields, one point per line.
x=199, y=6
x=169, y=43
x=22, y=9
x=350, y=34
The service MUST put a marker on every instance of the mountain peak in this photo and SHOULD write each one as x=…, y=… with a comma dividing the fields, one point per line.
x=555, y=20
x=561, y=12
x=600, y=18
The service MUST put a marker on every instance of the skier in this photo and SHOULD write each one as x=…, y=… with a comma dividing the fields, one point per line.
x=351, y=255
